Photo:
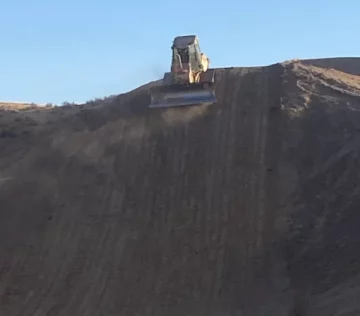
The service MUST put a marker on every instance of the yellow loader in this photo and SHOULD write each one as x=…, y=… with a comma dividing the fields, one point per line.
x=190, y=81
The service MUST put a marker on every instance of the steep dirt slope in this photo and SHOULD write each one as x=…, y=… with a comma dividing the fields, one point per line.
x=247, y=206
x=322, y=145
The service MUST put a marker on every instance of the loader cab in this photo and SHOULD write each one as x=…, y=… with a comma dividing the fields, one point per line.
x=186, y=53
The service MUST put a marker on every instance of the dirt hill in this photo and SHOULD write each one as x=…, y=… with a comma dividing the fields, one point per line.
x=246, y=207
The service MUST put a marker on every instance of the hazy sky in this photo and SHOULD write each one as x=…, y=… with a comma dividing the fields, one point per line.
x=75, y=50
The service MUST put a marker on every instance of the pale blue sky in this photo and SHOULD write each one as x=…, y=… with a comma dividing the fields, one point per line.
x=75, y=50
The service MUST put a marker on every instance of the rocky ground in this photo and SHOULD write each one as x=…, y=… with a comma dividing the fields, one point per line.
x=246, y=207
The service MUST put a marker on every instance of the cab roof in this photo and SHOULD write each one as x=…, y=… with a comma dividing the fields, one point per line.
x=183, y=41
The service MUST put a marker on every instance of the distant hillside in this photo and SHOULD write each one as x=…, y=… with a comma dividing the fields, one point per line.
x=349, y=65
x=18, y=105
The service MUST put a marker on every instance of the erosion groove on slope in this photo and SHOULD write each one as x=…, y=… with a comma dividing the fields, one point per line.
x=207, y=210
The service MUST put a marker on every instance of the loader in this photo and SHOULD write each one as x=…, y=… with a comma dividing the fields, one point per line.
x=190, y=81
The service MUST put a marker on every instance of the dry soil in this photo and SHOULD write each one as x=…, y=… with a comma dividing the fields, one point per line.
x=246, y=207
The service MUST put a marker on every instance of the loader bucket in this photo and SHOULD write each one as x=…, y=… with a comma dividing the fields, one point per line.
x=182, y=95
